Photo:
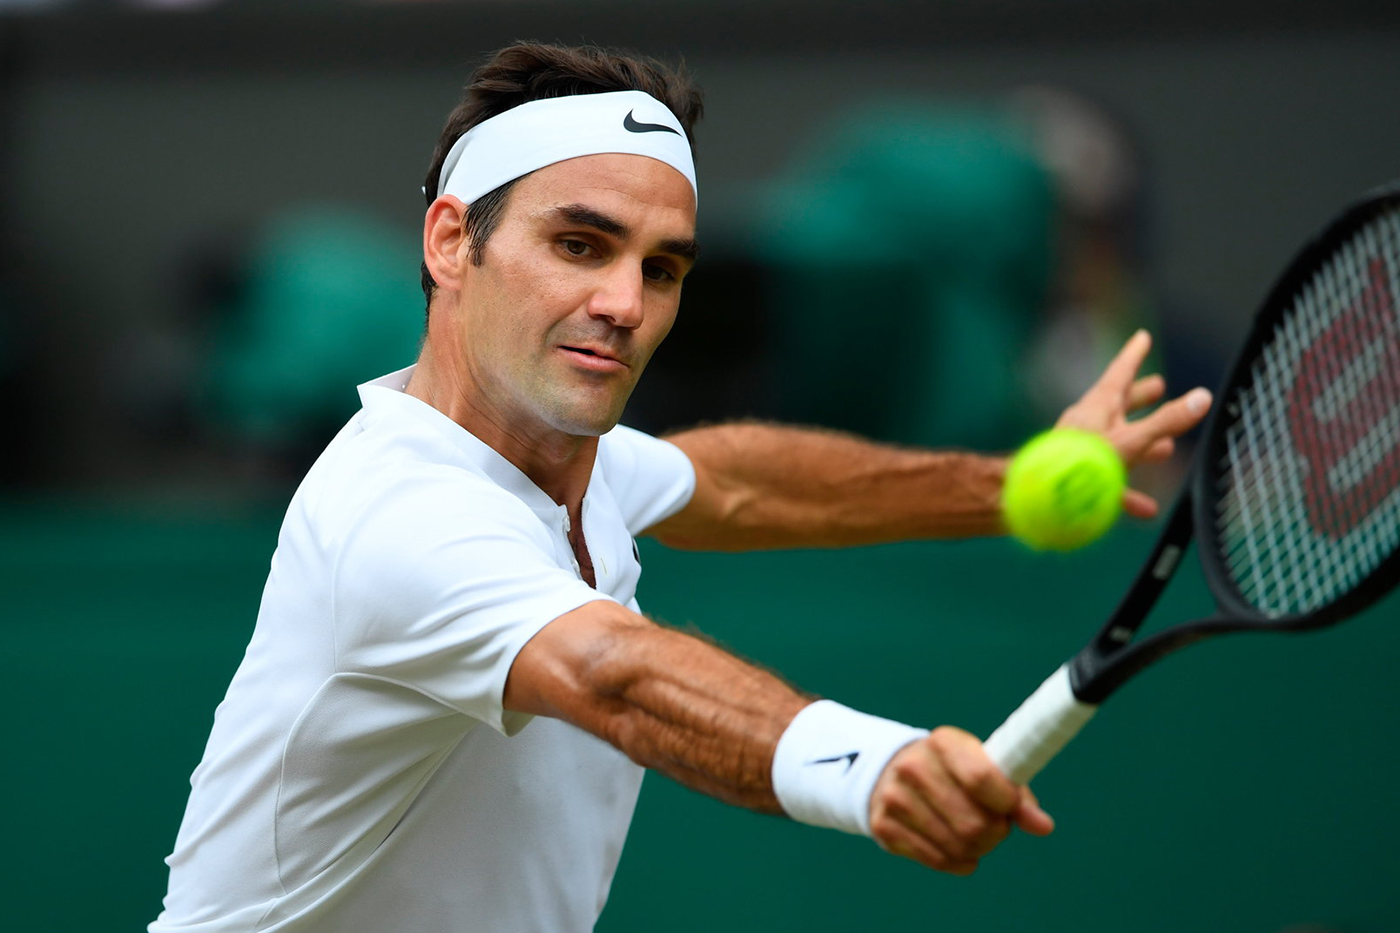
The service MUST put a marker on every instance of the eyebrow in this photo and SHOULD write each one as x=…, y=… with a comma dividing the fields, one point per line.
x=584, y=216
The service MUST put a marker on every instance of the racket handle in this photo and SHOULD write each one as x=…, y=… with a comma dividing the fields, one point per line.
x=1039, y=728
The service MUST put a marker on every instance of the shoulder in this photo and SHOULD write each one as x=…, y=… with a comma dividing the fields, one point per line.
x=650, y=478
x=624, y=451
x=402, y=491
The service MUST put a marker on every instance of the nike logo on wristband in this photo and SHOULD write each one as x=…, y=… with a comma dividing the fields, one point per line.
x=632, y=126
x=849, y=758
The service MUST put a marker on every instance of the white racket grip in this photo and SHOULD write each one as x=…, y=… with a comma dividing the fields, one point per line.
x=1039, y=728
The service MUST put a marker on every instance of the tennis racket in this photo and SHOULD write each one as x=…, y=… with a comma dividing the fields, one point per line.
x=1294, y=495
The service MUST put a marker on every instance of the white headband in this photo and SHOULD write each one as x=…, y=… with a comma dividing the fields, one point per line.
x=542, y=132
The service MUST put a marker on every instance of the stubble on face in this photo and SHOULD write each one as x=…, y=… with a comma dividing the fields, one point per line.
x=555, y=342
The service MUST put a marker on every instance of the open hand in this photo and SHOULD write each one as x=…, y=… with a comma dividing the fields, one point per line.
x=1119, y=392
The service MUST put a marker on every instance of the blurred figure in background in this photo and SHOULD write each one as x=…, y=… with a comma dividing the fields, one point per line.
x=1097, y=295
x=243, y=384
x=316, y=301
x=977, y=264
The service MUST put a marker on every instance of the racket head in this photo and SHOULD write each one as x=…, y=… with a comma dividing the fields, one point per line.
x=1296, y=489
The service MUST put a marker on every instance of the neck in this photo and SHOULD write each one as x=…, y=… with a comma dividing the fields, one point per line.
x=560, y=464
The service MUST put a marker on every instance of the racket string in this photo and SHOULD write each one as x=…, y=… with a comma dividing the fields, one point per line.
x=1310, y=475
x=1269, y=494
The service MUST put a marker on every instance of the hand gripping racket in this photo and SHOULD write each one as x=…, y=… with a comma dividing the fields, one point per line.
x=1294, y=494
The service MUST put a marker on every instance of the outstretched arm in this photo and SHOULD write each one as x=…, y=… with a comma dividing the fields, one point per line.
x=679, y=705
x=772, y=486
x=671, y=701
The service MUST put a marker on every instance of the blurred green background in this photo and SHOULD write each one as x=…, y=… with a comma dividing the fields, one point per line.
x=1240, y=787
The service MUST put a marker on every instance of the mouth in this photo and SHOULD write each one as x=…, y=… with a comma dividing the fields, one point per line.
x=593, y=358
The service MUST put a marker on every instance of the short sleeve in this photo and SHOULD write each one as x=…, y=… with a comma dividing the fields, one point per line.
x=651, y=479
x=439, y=584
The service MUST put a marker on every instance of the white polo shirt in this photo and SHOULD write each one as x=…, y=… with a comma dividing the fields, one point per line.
x=347, y=786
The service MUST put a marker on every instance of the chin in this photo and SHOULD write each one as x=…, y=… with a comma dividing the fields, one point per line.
x=580, y=424
x=584, y=411
x=585, y=415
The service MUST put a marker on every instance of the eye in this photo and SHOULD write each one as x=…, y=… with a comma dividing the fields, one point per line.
x=576, y=247
x=656, y=272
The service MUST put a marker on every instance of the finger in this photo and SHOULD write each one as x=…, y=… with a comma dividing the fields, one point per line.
x=1030, y=818
x=904, y=842
x=1170, y=420
x=944, y=813
x=1118, y=378
x=981, y=815
x=967, y=762
x=1162, y=449
x=931, y=846
x=1139, y=504
x=1028, y=794
x=1146, y=391
x=933, y=840
x=906, y=800
x=985, y=783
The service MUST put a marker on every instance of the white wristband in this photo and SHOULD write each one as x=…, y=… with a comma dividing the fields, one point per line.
x=828, y=761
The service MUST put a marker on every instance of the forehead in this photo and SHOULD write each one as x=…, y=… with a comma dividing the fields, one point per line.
x=634, y=185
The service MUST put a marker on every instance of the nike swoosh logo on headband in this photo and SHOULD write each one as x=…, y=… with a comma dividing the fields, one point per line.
x=632, y=126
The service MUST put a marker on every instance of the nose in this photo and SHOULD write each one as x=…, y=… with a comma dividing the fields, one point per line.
x=618, y=297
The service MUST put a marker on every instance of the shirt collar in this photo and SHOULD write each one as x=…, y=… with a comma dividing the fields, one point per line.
x=385, y=396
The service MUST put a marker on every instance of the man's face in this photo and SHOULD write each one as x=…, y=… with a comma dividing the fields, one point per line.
x=577, y=287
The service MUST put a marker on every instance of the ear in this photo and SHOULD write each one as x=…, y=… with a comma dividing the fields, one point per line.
x=444, y=242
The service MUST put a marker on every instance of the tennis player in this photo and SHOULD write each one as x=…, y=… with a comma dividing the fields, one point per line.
x=442, y=719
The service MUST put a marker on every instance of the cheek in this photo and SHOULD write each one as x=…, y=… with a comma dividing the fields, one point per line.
x=523, y=303
x=540, y=294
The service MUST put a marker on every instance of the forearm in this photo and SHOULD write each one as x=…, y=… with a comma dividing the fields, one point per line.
x=722, y=726
x=772, y=486
x=670, y=701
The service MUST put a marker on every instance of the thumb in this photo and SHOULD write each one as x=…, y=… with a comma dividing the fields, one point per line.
x=1030, y=818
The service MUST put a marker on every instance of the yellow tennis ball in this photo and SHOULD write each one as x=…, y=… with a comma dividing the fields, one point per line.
x=1063, y=489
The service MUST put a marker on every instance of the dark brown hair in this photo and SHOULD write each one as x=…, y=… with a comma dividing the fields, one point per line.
x=530, y=71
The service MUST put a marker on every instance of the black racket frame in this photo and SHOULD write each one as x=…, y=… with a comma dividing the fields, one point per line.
x=1111, y=658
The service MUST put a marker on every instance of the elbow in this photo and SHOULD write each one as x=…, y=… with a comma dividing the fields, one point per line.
x=728, y=518
x=575, y=663
x=594, y=665
x=609, y=668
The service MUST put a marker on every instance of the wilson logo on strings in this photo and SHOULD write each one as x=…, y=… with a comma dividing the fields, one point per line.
x=1345, y=410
